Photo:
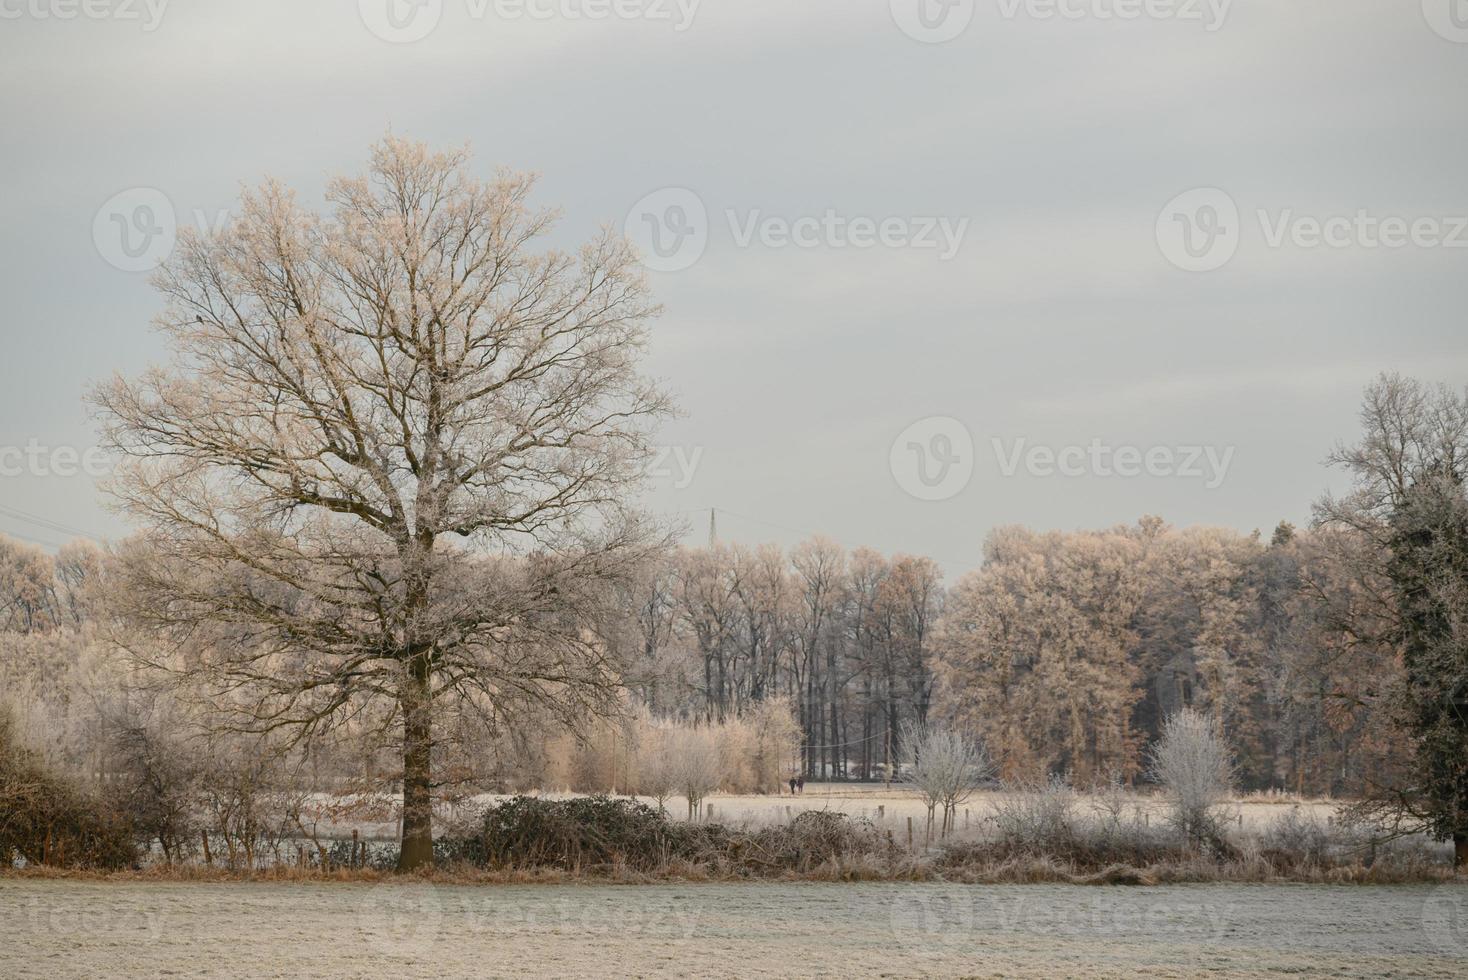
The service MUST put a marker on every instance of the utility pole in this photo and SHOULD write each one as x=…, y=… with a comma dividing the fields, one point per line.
x=713, y=527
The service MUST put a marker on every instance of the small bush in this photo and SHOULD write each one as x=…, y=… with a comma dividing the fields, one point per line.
x=1294, y=840
x=819, y=837
x=1038, y=827
x=1192, y=763
x=577, y=833
x=48, y=821
x=600, y=833
x=1037, y=817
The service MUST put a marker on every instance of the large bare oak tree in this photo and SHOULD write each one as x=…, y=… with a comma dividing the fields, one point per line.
x=391, y=467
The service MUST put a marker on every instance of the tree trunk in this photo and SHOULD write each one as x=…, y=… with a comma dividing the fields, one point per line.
x=866, y=735
x=1460, y=851
x=417, y=705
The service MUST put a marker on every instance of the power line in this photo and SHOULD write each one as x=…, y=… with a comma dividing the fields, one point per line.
x=844, y=745
x=45, y=522
x=26, y=537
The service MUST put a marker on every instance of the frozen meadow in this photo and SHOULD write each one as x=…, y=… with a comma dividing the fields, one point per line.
x=56, y=928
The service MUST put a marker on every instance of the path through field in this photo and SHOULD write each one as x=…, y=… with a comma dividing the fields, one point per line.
x=113, y=929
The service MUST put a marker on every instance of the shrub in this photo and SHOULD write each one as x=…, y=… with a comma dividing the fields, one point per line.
x=157, y=787
x=573, y=834
x=591, y=833
x=47, y=820
x=818, y=837
x=1192, y=763
x=1037, y=817
x=1040, y=823
x=1293, y=840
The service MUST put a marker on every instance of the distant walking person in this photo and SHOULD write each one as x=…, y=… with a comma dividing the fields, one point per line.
x=800, y=784
x=792, y=785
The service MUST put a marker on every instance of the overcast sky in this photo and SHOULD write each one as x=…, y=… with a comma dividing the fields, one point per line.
x=1077, y=307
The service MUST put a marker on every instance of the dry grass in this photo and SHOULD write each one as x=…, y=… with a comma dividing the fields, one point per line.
x=1014, y=869
x=1046, y=837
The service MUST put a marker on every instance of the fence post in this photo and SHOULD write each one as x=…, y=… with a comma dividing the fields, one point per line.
x=909, y=835
x=354, y=848
x=208, y=858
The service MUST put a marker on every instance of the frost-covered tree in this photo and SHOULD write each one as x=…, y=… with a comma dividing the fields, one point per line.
x=1407, y=516
x=1036, y=651
x=946, y=767
x=657, y=763
x=699, y=765
x=1192, y=763
x=388, y=471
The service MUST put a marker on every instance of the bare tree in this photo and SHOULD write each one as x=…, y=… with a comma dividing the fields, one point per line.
x=351, y=393
x=820, y=574
x=699, y=766
x=161, y=776
x=946, y=767
x=657, y=764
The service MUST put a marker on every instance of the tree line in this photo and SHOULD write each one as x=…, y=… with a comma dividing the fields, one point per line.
x=1065, y=651
x=844, y=637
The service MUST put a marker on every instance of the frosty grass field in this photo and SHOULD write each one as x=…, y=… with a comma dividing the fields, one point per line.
x=134, y=929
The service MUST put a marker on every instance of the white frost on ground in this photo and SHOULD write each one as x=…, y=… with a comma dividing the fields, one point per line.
x=112, y=929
